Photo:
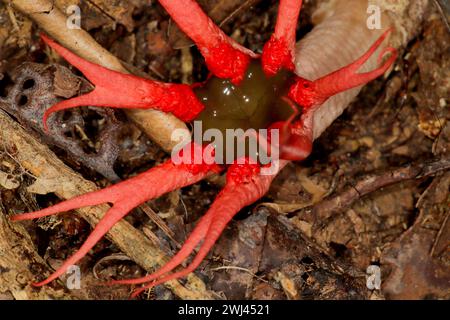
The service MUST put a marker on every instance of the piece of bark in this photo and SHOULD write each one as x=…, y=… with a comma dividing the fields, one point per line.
x=418, y=268
x=157, y=125
x=54, y=176
x=240, y=247
x=303, y=268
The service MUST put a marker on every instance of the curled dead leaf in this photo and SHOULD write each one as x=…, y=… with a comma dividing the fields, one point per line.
x=8, y=181
x=46, y=185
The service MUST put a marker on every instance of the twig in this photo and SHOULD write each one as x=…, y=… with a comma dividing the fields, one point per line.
x=324, y=209
x=240, y=269
x=437, y=241
x=158, y=221
x=440, y=8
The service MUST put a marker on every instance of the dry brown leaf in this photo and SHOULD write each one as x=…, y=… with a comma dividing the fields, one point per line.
x=8, y=181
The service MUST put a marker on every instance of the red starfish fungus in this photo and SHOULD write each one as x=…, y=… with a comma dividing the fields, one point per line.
x=226, y=60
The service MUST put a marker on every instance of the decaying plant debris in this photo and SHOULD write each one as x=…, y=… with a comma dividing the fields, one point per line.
x=28, y=99
x=301, y=242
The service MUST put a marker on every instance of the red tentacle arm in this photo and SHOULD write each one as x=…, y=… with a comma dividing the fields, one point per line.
x=224, y=57
x=296, y=136
x=313, y=93
x=119, y=90
x=125, y=196
x=196, y=236
x=278, y=52
x=244, y=186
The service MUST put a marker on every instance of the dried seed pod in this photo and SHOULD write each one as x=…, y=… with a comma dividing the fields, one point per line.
x=36, y=88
